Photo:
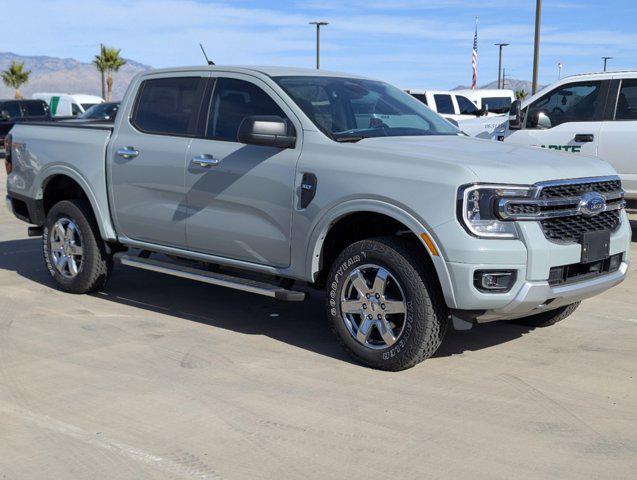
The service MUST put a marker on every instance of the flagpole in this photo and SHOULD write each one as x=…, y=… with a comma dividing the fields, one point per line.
x=474, y=57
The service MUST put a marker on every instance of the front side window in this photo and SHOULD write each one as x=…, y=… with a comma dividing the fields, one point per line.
x=444, y=104
x=232, y=102
x=466, y=106
x=627, y=101
x=575, y=102
x=497, y=105
x=350, y=109
x=169, y=106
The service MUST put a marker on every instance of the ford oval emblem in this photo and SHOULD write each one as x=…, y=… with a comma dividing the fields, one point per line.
x=592, y=203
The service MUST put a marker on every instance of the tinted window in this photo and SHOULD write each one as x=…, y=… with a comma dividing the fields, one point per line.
x=34, y=109
x=233, y=101
x=575, y=102
x=443, y=104
x=75, y=109
x=12, y=108
x=466, y=106
x=498, y=104
x=420, y=96
x=169, y=105
x=350, y=109
x=627, y=101
x=101, y=111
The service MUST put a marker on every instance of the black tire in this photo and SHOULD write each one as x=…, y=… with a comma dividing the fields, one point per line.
x=426, y=316
x=546, y=319
x=96, y=264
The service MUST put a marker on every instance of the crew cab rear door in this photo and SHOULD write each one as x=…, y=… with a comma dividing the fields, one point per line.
x=240, y=197
x=148, y=158
x=567, y=118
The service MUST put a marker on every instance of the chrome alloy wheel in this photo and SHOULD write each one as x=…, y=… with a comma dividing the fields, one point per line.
x=66, y=247
x=373, y=307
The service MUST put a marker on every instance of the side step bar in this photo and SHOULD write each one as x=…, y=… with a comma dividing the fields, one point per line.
x=223, y=280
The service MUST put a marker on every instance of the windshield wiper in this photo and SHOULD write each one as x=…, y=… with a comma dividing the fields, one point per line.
x=349, y=138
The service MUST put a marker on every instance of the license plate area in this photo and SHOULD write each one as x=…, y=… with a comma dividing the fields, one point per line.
x=595, y=246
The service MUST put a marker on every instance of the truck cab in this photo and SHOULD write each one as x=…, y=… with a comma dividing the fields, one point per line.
x=592, y=114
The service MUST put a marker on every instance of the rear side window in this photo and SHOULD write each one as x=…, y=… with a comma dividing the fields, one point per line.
x=232, y=102
x=12, y=108
x=34, y=109
x=169, y=106
x=627, y=101
x=497, y=104
x=444, y=104
x=420, y=96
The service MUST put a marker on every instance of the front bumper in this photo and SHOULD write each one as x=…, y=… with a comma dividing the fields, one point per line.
x=531, y=257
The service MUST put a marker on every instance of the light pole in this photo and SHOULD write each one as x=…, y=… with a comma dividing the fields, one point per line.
x=559, y=70
x=536, y=47
x=318, y=41
x=606, y=59
x=501, y=45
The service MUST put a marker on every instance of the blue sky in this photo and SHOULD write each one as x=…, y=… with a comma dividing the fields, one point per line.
x=411, y=43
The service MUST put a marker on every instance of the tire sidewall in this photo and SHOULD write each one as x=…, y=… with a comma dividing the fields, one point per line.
x=363, y=253
x=69, y=209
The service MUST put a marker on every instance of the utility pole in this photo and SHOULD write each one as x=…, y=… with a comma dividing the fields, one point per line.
x=501, y=45
x=318, y=41
x=102, y=71
x=536, y=48
x=606, y=59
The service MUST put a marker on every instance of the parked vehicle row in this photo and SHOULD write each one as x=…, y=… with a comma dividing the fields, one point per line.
x=68, y=105
x=594, y=114
x=16, y=111
x=283, y=179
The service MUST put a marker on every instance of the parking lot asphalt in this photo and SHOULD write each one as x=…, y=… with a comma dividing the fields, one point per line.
x=161, y=377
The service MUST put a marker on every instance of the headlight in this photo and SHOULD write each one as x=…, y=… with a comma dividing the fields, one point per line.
x=477, y=209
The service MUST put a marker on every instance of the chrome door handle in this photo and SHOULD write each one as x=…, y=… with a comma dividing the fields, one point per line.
x=128, y=152
x=205, y=161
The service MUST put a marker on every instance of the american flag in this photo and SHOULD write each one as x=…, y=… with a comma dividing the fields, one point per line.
x=474, y=59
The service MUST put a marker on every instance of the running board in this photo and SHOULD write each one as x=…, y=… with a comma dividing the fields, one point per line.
x=220, y=279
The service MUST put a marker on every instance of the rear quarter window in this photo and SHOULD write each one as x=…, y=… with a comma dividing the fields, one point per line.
x=168, y=106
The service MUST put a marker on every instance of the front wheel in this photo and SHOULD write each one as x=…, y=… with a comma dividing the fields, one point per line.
x=385, y=305
x=74, y=252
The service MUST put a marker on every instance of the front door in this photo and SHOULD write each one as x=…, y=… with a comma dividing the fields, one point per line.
x=240, y=197
x=148, y=159
x=566, y=119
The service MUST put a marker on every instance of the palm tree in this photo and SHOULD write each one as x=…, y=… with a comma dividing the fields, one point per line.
x=107, y=62
x=521, y=94
x=15, y=76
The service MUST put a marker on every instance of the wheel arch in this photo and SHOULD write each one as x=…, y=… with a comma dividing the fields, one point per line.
x=319, y=256
x=64, y=183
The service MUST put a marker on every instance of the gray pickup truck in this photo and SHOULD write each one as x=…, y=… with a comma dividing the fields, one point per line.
x=275, y=180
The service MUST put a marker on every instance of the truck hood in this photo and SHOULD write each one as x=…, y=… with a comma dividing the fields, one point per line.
x=490, y=161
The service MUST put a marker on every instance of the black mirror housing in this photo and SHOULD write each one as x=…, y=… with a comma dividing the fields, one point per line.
x=515, y=115
x=4, y=116
x=267, y=131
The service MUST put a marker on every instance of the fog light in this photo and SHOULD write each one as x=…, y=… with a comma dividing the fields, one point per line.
x=615, y=262
x=496, y=281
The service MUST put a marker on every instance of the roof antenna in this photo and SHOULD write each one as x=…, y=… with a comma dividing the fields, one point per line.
x=210, y=62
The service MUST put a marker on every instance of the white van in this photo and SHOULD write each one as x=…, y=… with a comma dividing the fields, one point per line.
x=594, y=114
x=68, y=105
x=497, y=102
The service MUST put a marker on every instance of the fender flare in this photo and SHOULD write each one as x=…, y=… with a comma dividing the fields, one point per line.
x=102, y=218
x=416, y=226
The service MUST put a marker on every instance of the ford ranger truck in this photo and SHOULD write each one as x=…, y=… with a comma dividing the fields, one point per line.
x=273, y=180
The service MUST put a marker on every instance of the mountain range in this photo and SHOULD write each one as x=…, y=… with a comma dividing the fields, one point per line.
x=66, y=75
x=512, y=83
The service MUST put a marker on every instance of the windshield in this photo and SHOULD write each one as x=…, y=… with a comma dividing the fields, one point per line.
x=102, y=111
x=349, y=109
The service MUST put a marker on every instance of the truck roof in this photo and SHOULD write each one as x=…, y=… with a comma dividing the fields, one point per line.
x=603, y=75
x=270, y=71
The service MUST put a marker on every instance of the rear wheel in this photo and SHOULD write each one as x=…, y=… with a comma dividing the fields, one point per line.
x=384, y=304
x=546, y=319
x=74, y=252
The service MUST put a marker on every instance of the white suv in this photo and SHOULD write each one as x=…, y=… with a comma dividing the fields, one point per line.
x=593, y=114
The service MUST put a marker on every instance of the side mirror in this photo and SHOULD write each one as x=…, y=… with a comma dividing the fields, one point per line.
x=4, y=116
x=543, y=120
x=266, y=130
x=484, y=111
x=515, y=115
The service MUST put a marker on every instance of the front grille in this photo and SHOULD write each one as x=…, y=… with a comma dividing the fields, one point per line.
x=576, y=189
x=570, y=229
